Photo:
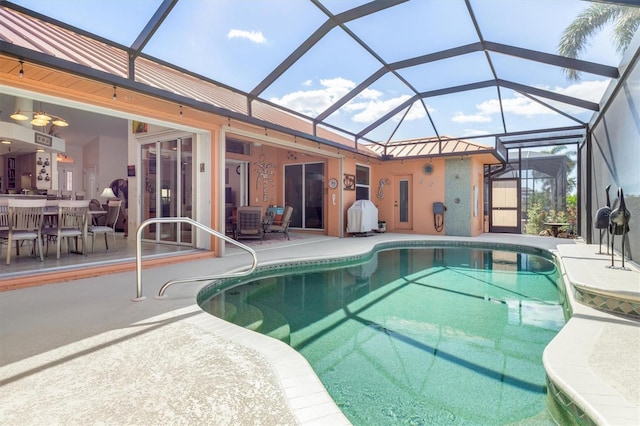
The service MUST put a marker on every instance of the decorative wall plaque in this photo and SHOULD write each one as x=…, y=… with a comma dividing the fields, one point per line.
x=349, y=182
x=42, y=139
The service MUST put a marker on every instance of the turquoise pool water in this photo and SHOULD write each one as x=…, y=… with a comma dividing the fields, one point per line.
x=417, y=336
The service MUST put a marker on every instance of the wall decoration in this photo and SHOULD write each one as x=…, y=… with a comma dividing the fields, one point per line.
x=42, y=139
x=381, y=184
x=333, y=183
x=265, y=172
x=349, y=182
x=131, y=170
x=42, y=167
x=138, y=127
x=427, y=169
x=61, y=158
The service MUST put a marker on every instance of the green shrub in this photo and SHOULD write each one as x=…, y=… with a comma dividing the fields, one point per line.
x=537, y=216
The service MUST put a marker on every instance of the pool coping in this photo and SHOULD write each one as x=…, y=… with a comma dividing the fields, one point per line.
x=573, y=383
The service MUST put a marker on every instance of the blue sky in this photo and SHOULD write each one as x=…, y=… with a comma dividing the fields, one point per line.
x=238, y=42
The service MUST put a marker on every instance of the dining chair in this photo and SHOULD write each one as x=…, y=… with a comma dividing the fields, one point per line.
x=109, y=227
x=249, y=223
x=4, y=213
x=71, y=222
x=24, y=223
x=280, y=223
x=50, y=213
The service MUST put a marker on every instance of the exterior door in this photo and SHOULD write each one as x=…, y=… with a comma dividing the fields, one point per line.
x=168, y=188
x=304, y=191
x=403, y=219
x=505, y=206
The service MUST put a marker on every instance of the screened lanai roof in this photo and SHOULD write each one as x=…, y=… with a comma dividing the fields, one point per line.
x=375, y=72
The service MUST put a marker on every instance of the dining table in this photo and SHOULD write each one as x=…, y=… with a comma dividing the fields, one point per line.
x=51, y=211
x=556, y=226
x=50, y=214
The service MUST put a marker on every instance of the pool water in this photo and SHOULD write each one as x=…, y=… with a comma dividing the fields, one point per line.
x=418, y=336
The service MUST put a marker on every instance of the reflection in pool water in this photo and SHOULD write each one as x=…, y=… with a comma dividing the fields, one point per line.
x=417, y=336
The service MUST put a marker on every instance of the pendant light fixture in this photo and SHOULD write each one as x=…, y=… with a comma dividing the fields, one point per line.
x=40, y=118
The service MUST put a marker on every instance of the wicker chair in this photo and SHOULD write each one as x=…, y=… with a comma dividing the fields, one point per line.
x=249, y=223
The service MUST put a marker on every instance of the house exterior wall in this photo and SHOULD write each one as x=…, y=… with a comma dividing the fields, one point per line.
x=428, y=184
x=427, y=187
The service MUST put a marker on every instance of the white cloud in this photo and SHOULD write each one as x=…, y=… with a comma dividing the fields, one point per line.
x=309, y=102
x=416, y=112
x=338, y=83
x=254, y=36
x=307, y=82
x=589, y=90
x=368, y=105
x=475, y=118
x=520, y=105
x=371, y=94
x=373, y=110
x=313, y=102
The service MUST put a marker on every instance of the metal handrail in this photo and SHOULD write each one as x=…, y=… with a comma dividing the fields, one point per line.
x=198, y=225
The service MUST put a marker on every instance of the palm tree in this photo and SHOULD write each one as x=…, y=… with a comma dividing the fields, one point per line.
x=574, y=39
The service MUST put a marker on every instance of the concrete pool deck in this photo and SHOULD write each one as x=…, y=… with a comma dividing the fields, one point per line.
x=81, y=352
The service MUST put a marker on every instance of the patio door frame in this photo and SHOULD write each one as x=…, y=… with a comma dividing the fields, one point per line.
x=166, y=193
x=307, y=196
x=500, y=227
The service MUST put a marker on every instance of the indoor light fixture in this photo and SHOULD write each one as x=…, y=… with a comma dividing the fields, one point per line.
x=180, y=110
x=5, y=142
x=115, y=96
x=40, y=118
x=21, y=72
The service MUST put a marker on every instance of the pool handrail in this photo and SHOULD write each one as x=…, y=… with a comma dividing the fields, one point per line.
x=140, y=297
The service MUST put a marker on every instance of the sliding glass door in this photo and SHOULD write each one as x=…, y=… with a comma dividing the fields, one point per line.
x=303, y=191
x=168, y=192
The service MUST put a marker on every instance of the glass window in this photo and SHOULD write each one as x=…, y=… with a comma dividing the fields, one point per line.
x=362, y=183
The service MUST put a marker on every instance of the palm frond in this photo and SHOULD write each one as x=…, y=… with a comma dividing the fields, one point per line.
x=575, y=36
x=626, y=26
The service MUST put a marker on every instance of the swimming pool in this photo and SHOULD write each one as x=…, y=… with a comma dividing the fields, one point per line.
x=420, y=335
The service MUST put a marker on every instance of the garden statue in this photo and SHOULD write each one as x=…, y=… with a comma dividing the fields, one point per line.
x=602, y=220
x=619, y=221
